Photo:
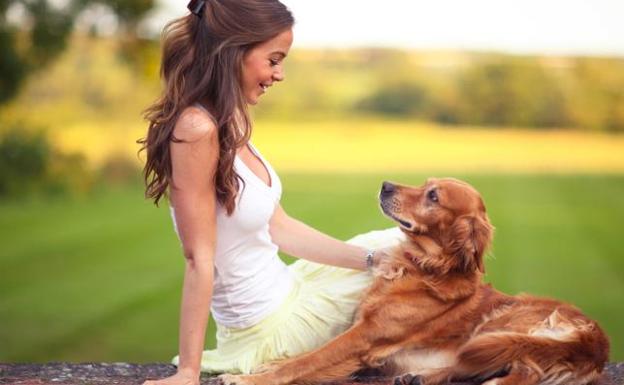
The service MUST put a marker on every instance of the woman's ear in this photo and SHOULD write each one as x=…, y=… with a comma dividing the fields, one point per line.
x=468, y=239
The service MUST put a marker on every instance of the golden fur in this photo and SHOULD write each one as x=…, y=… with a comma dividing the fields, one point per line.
x=428, y=313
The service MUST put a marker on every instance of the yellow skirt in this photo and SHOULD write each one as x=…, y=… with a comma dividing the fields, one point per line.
x=320, y=306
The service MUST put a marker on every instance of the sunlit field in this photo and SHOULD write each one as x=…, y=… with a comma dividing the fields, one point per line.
x=376, y=145
x=99, y=278
x=362, y=146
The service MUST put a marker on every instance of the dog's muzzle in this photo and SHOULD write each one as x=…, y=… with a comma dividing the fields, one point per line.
x=388, y=203
x=385, y=197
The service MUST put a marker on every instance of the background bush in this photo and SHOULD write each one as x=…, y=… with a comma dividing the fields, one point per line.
x=31, y=165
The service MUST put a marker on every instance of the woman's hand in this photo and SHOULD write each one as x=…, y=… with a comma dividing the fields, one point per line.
x=180, y=378
x=383, y=265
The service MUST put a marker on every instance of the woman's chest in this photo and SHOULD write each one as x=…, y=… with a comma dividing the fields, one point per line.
x=255, y=165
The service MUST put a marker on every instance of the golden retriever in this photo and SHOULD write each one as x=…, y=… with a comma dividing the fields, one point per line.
x=429, y=317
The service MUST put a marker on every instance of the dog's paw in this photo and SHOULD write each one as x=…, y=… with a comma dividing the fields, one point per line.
x=231, y=379
x=407, y=379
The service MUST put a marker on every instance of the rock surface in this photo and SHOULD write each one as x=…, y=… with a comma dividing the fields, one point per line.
x=60, y=373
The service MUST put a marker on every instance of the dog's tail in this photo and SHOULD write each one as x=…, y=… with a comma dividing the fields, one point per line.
x=487, y=354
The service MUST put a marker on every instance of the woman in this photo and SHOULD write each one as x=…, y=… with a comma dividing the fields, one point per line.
x=224, y=199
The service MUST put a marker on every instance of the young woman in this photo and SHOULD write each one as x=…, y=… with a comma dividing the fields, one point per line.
x=225, y=199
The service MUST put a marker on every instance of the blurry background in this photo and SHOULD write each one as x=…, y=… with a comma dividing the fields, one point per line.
x=523, y=100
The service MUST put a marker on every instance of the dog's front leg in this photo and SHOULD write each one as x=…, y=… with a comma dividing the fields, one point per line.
x=336, y=359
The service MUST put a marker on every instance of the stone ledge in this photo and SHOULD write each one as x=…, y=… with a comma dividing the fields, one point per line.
x=61, y=373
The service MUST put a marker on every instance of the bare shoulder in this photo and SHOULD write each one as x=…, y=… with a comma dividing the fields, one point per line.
x=195, y=154
x=195, y=124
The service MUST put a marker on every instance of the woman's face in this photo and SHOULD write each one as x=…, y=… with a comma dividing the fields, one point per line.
x=264, y=64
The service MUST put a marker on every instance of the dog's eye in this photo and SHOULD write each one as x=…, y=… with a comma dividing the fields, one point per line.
x=433, y=196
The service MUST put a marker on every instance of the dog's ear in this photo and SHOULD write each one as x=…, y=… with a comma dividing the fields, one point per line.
x=468, y=239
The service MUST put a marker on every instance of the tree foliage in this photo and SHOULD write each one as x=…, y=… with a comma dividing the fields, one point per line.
x=43, y=32
x=512, y=92
x=503, y=91
x=29, y=164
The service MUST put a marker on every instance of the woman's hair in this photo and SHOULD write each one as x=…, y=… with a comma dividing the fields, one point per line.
x=202, y=59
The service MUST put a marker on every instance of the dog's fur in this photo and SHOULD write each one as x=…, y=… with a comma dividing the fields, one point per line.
x=428, y=313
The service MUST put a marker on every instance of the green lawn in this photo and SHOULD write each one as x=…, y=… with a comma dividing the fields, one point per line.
x=98, y=278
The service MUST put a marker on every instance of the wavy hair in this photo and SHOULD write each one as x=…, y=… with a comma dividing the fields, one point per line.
x=201, y=62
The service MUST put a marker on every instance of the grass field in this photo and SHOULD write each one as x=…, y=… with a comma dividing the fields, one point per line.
x=99, y=278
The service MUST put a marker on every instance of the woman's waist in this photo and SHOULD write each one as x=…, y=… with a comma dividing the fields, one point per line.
x=247, y=279
x=249, y=300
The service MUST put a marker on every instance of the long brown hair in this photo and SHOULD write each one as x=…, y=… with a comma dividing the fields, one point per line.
x=201, y=63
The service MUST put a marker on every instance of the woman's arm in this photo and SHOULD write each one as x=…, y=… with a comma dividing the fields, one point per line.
x=300, y=240
x=192, y=194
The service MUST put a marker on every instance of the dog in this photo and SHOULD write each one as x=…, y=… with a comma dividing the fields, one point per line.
x=429, y=319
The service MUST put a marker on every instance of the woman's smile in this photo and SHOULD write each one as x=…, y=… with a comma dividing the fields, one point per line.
x=263, y=65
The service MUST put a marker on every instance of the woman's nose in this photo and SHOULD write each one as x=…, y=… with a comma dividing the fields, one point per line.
x=278, y=75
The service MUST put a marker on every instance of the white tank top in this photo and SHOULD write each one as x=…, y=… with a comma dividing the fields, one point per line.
x=250, y=280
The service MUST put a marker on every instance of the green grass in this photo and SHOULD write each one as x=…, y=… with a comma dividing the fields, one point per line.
x=99, y=278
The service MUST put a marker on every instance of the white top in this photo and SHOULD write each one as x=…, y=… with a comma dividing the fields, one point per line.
x=250, y=280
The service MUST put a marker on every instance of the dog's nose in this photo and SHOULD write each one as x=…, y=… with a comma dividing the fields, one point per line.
x=387, y=188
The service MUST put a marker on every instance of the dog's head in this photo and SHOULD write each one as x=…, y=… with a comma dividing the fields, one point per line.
x=446, y=211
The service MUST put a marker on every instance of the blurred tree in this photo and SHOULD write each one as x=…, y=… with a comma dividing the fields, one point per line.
x=29, y=164
x=23, y=159
x=397, y=99
x=596, y=93
x=511, y=92
x=40, y=30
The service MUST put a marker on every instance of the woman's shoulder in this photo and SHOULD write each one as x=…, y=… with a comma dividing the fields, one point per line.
x=195, y=123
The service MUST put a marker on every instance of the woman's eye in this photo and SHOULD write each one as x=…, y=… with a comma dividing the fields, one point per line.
x=274, y=62
x=432, y=195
